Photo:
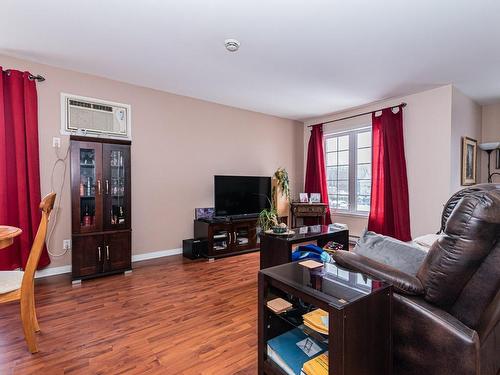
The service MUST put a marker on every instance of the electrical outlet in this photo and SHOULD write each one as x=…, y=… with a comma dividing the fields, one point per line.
x=67, y=244
x=56, y=142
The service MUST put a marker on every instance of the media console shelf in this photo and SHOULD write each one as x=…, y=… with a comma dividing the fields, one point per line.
x=227, y=238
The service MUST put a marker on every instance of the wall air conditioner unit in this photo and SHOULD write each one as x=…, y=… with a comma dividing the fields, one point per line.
x=94, y=117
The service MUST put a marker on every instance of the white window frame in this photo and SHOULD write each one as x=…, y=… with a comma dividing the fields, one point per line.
x=353, y=170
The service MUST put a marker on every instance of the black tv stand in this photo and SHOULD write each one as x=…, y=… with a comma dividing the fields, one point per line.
x=227, y=237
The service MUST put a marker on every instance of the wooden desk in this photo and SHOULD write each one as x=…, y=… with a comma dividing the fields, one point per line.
x=317, y=210
x=275, y=250
x=7, y=235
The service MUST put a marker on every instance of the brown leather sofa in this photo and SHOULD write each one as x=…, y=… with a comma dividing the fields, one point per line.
x=446, y=317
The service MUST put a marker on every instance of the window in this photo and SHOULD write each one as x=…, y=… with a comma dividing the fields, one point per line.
x=348, y=170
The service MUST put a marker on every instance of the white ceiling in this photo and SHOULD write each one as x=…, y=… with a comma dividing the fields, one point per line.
x=298, y=58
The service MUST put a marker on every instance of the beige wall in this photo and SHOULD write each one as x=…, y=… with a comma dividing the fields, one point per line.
x=427, y=133
x=465, y=122
x=490, y=133
x=178, y=145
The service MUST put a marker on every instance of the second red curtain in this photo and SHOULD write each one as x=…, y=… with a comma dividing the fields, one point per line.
x=315, y=170
x=19, y=166
x=389, y=207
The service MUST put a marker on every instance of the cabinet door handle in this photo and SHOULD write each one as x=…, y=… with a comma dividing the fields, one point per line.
x=229, y=234
x=107, y=252
x=107, y=187
x=99, y=252
x=234, y=236
x=99, y=187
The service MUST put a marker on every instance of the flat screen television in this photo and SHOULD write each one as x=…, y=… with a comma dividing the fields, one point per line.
x=241, y=195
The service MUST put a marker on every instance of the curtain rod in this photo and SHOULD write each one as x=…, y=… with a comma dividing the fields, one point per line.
x=37, y=77
x=402, y=105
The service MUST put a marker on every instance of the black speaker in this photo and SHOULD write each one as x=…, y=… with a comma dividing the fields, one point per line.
x=194, y=249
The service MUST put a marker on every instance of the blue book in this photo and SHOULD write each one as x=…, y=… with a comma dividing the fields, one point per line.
x=294, y=348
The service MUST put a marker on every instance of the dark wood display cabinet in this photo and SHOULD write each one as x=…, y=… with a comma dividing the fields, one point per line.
x=227, y=237
x=100, y=204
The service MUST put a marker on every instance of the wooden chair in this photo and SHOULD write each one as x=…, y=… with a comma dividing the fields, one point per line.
x=19, y=285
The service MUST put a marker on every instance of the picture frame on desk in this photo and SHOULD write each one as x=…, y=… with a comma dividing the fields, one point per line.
x=315, y=198
x=304, y=198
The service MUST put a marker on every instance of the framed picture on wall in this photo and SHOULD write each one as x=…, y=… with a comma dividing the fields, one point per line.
x=469, y=161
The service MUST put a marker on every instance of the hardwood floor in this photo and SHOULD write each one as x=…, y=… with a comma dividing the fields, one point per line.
x=170, y=316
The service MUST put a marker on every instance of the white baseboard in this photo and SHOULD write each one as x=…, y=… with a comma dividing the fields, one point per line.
x=156, y=254
x=51, y=271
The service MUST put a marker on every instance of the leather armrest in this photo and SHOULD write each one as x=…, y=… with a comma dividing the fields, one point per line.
x=429, y=340
x=402, y=282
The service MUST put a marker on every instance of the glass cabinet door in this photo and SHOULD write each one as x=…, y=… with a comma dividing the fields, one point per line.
x=86, y=186
x=116, y=166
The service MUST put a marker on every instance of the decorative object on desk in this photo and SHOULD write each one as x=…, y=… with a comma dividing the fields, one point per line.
x=304, y=198
x=279, y=305
x=286, y=233
x=204, y=213
x=315, y=198
x=469, y=161
x=268, y=218
x=489, y=148
x=280, y=228
x=311, y=264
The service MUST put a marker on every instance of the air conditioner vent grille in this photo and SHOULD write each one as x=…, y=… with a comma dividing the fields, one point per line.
x=94, y=117
x=99, y=107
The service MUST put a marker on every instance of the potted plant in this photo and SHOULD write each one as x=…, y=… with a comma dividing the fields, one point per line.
x=281, y=192
x=268, y=218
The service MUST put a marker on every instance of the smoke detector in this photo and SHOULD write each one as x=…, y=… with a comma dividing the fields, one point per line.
x=232, y=45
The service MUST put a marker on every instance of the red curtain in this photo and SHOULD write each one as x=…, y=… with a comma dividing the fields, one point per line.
x=389, y=208
x=19, y=166
x=315, y=170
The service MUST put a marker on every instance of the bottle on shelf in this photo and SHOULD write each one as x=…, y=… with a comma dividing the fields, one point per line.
x=89, y=192
x=87, y=219
x=82, y=189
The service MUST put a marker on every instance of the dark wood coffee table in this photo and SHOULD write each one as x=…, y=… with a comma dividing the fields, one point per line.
x=359, y=308
x=276, y=250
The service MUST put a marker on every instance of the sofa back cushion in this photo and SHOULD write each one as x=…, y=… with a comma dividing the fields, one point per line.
x=455, y=198
x=471, y=232
x=403, y=256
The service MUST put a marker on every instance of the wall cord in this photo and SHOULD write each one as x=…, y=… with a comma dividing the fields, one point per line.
x=62, y=160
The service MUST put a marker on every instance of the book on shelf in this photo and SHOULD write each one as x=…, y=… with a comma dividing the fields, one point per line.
x=292, y=349
x=316, y=366
x=317, y=320
x=279, y=305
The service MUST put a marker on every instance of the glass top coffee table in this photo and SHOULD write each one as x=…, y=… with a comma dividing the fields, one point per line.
x=276, y=249
x=358, y=310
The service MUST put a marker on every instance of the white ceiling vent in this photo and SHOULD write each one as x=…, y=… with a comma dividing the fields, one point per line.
x=94, y=117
